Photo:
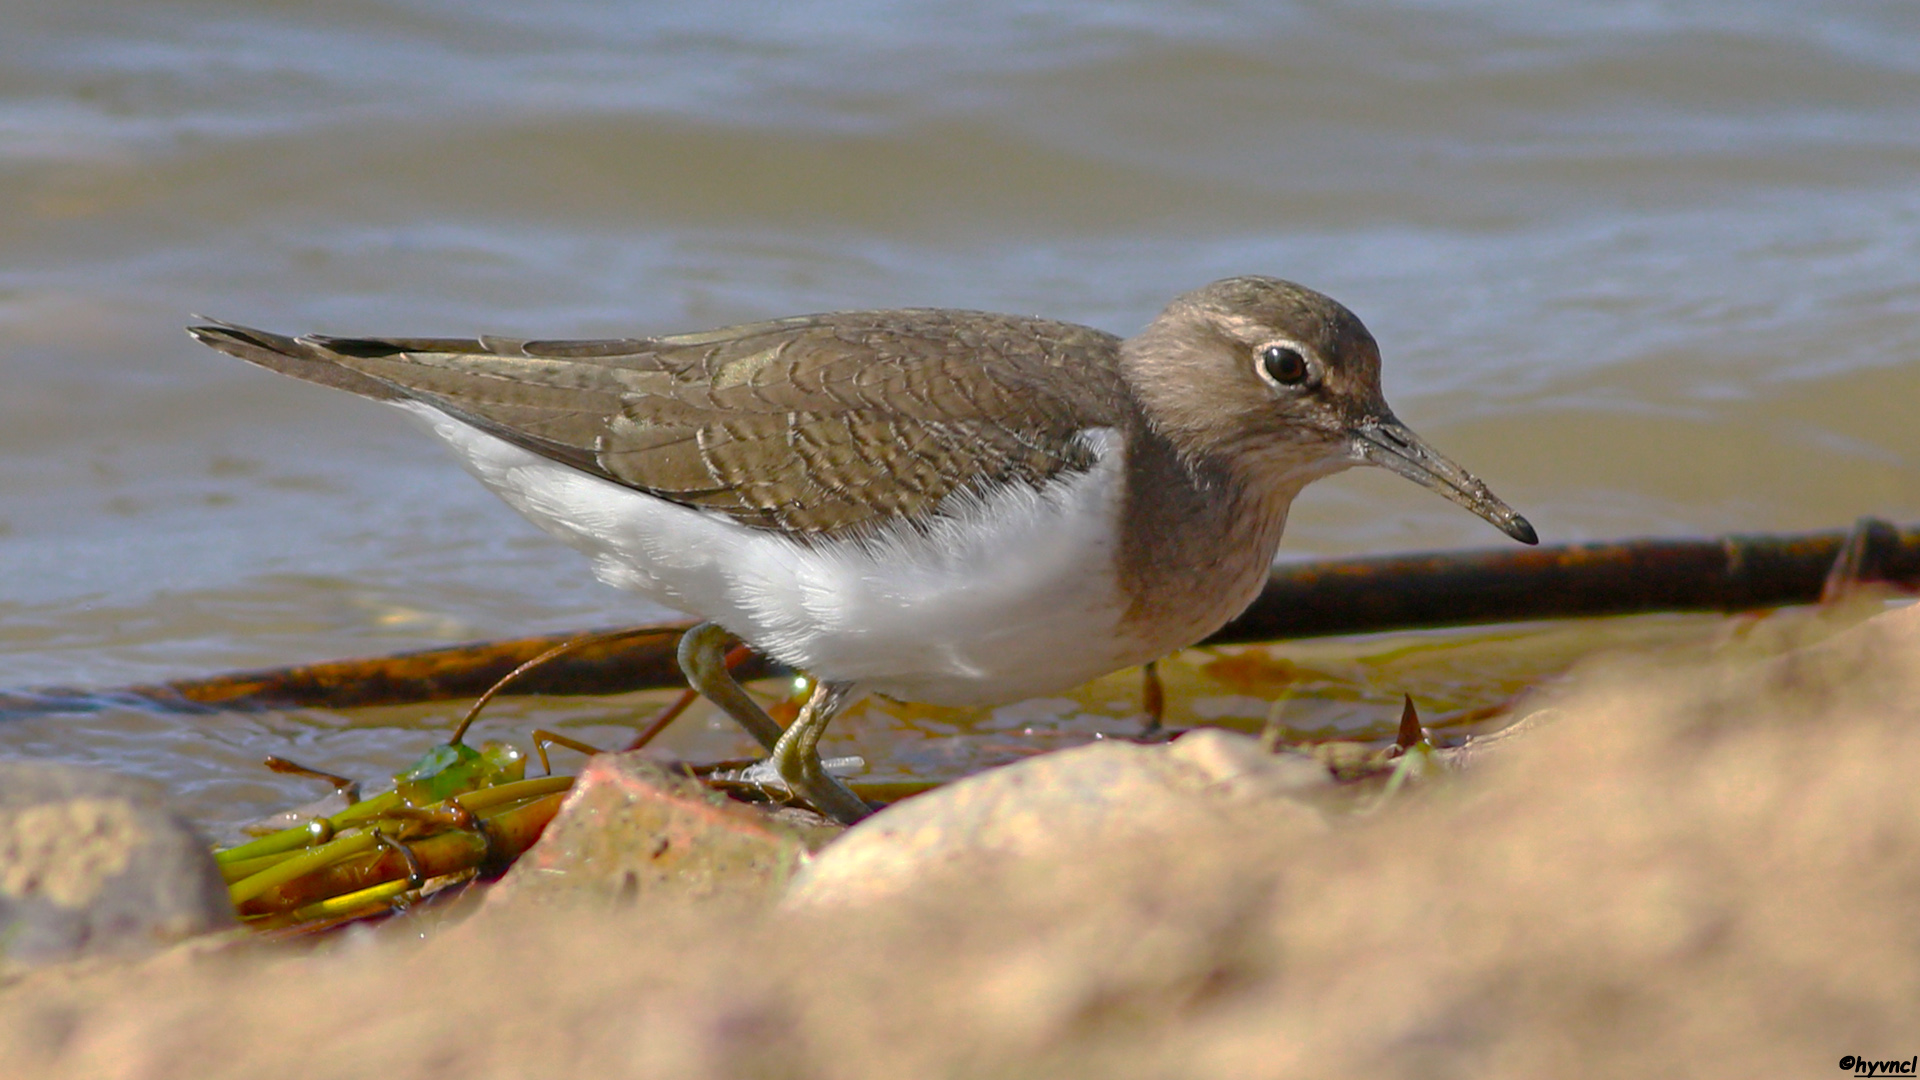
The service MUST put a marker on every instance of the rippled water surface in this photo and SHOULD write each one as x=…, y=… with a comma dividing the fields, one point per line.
x=1648, y=268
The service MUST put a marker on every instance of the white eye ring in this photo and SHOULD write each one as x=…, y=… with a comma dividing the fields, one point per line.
x=1285, y=363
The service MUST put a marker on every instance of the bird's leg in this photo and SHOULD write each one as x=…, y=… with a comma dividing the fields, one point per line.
x=794, y=754
x=1153, y=701
x=797, y=757
x=703, y=659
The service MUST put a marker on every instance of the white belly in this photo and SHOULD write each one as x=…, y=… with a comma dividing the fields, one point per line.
x=1005, y=597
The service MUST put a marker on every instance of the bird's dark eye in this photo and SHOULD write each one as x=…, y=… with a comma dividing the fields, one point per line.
x=1284, y=364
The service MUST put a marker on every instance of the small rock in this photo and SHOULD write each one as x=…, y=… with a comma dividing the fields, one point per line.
x=95, y=864
x=1053, y=806
x=631, y=829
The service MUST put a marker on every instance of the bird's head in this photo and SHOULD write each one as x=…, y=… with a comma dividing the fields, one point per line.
x=1283, y=382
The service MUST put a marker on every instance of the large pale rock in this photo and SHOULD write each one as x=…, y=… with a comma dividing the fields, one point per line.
x=631, y=829
x=1053, y=806
x=94, y=864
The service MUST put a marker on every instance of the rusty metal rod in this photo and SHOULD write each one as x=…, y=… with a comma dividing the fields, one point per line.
x=1465, y=588
x=1309, y=599
x=453, y=672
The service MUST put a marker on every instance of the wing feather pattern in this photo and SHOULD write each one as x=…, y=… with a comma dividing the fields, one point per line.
x=825, y=425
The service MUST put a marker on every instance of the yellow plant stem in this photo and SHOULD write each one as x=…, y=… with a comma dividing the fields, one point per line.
x=241, y=869
x=353, y=903
x=510, y=817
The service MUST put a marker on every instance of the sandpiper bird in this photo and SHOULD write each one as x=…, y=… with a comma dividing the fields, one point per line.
x=951, y=507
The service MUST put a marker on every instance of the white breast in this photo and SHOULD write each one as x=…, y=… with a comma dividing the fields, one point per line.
x=1005, y=596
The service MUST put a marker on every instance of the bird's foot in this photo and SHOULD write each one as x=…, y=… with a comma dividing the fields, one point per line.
x=793, y=756
x=797, y=757
x=762, y=774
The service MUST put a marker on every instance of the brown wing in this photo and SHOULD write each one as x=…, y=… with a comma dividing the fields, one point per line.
x=824, y=425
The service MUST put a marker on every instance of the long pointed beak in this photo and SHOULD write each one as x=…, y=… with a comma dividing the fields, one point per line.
x=1390, y=444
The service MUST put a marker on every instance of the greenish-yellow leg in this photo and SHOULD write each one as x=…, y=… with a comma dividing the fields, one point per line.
x=793, y=753
x=703, y=660
x=797, y=758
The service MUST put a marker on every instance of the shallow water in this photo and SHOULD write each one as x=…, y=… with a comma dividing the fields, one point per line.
x=1647, y=270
